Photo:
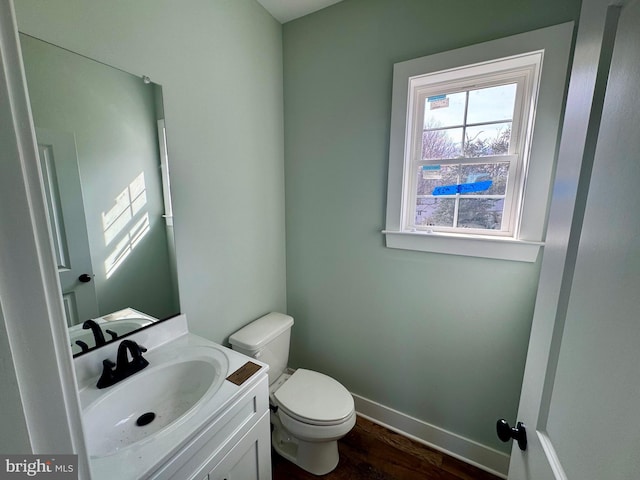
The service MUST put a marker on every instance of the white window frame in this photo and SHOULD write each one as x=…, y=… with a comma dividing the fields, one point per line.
x=522, y=70
x=415, y=79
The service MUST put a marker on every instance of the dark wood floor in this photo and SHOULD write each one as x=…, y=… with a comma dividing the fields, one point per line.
x=372, y=452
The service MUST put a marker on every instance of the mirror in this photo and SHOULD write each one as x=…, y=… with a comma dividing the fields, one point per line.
x=102, y=146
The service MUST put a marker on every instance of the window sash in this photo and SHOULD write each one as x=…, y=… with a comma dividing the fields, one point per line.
x=510, y=205
x=420, y=88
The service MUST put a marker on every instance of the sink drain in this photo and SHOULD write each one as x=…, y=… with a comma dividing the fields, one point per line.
x=145, y=419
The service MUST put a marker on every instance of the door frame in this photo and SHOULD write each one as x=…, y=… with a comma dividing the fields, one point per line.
x=583, y=108
x=38, y=359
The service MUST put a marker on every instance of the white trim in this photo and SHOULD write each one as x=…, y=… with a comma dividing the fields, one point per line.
x=29, y=286
x=164, y=170
x=468, y=451
x=552, y=456
x=499, y=248
x=556, y=43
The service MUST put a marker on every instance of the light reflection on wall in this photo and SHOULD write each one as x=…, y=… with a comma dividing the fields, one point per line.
x=126, y=223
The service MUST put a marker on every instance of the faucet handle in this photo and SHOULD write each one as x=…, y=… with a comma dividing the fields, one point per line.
x=138, y=359
x=82, y=345
x=107, y=378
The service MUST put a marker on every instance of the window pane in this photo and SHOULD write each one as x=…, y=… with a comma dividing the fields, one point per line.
x=445, y=143
x=484, y=213
x=491, y=104
x=445, y=110
x=484, y=178
x=435, y=212
x=484, y=140
x=431, y=177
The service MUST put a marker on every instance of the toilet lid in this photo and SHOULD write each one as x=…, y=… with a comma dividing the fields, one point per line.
x=314, y=398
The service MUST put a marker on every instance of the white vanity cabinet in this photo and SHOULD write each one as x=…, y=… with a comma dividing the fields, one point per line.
x=243, y=462
x=223, y=433
x=235, y=446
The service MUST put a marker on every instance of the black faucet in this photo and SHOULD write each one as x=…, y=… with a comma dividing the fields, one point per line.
x=112, y=373
x=98, y=336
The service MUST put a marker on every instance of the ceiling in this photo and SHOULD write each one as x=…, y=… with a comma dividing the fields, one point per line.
x=286, y=10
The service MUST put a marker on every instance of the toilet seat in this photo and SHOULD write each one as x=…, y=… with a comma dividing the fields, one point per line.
x=315, y=399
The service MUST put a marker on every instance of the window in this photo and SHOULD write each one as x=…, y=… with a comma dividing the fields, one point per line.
x=467, y=137
x=471, y=162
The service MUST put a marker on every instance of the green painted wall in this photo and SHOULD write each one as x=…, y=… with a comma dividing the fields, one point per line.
x=220, y=65
x=438, y=337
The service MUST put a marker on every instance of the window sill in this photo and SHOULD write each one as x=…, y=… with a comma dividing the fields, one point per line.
x=467, y=245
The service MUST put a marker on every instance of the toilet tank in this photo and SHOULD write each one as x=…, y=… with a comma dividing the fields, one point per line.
x=266, y=339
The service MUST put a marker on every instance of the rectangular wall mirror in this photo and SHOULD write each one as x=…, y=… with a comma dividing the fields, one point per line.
x=102, y=146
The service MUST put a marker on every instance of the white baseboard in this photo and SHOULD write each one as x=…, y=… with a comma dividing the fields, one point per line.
x=473, y=453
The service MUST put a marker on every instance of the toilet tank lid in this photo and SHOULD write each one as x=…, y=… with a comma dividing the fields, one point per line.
x=261, y=331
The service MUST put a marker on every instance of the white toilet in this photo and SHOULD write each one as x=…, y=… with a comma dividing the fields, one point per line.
x=310, y=411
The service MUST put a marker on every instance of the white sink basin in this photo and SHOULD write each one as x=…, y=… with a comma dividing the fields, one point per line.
x=152, y=402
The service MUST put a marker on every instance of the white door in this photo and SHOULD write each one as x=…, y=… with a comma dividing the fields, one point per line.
x=581, y=394
x=63, y=191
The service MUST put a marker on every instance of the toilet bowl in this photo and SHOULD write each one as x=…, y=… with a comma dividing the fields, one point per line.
x=310, y=411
